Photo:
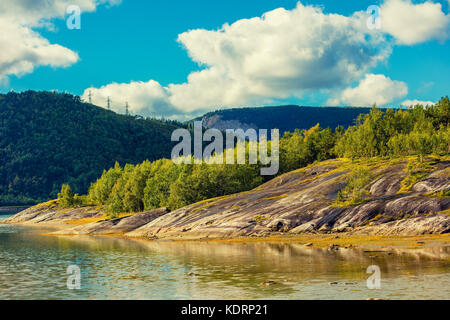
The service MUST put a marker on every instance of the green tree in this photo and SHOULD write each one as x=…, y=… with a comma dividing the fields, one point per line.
x=65, y=197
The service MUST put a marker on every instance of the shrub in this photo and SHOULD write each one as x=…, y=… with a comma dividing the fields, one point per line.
x=356, y=187
x=65, y=197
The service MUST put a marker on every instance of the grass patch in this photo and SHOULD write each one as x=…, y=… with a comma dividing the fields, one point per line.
x=47, y=205
x=260, y=218
x=447, y=212
x=356, y=188
x=417, y=171
x=376, y=218
x=276, y=197
x=83, y=221
x=439, y=194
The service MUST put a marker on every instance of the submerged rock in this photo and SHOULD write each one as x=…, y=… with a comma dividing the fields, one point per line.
x=333, y=247
x=269, y=283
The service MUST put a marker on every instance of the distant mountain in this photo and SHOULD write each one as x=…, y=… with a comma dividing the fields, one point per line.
x=284, y=118
x=47, y=139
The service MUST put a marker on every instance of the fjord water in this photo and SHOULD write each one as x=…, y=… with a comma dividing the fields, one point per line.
x=34, y=266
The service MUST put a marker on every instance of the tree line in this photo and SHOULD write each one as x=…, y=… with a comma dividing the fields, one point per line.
x=47, y=139
x=392, y=133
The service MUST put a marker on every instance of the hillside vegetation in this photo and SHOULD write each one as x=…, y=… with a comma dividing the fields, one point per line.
x=47, y=139
x=392, y=134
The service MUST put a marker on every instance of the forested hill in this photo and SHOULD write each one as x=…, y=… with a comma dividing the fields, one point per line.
x=47, y=139
x=284, y=118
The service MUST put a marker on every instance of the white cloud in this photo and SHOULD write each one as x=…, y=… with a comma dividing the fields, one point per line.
x=414, y=23
x=372, y=89
x=23, y=48
x=289, y=53
x=408, y=103
x=145, y=98
x=38, y=12
x=281, y=54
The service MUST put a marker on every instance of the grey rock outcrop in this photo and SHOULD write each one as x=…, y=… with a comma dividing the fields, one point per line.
x=115, y=226
x=302, y=201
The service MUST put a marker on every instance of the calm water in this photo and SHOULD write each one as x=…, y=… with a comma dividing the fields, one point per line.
x=33, y=266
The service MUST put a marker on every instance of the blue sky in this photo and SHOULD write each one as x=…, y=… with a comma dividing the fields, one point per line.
x=137, y=41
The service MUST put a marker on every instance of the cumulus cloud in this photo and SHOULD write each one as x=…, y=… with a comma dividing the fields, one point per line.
x=372, y=89
x=38, y=12
x=408, y=103
x=414, y=23
x=288, y=53
x=281, y=54
x=144, y=98
x=23, y=48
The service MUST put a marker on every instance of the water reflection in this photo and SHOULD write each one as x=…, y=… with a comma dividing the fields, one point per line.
x=33, y=266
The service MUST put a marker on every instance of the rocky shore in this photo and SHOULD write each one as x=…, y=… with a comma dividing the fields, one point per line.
x=301, y=202
x=8, y=209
